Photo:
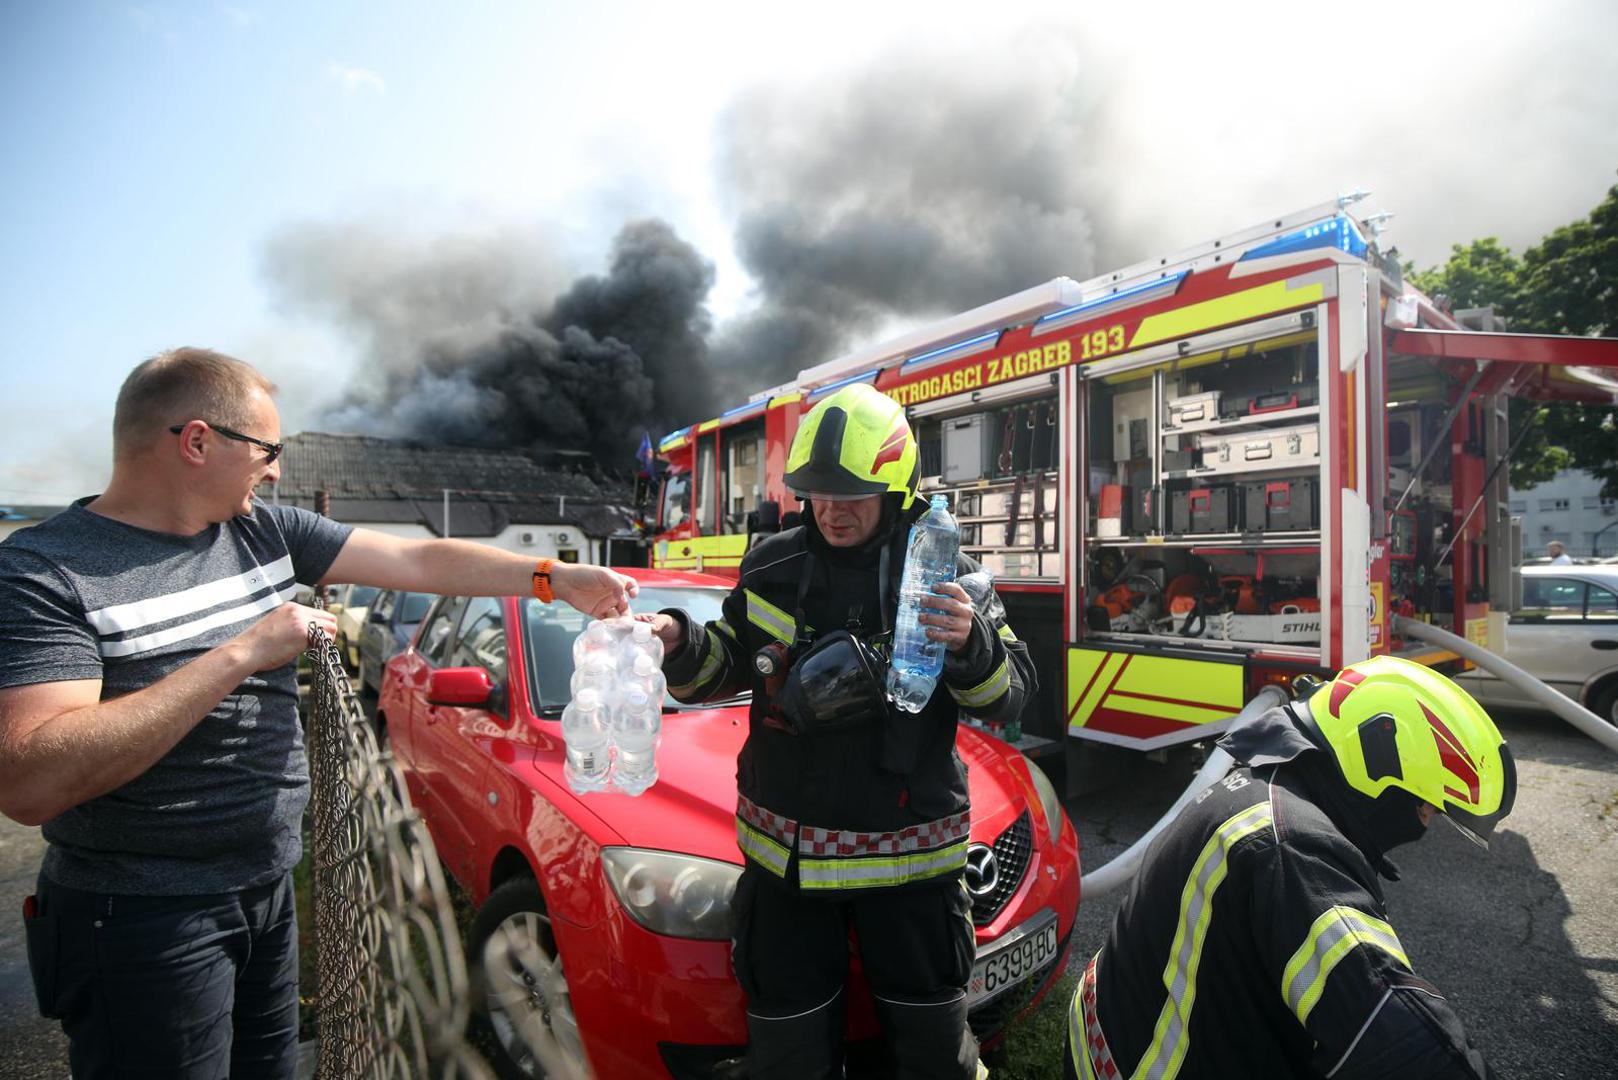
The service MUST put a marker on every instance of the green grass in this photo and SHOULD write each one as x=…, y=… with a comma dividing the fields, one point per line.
x=1033, y=1049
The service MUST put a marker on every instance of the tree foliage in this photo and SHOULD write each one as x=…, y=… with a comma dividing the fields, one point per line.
x=1565, y=284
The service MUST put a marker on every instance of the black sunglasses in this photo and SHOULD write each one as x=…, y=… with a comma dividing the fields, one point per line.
x=272, y=450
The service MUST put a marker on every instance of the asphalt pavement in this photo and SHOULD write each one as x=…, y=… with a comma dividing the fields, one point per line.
x=1522, y=938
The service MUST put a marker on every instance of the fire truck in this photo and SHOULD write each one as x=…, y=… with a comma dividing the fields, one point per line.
x=1191, y=477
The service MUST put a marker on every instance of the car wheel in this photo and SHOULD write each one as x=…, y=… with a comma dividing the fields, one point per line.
x=1605, y=703
x=516, y=973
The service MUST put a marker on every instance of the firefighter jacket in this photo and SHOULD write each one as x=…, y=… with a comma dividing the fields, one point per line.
x=873, y=806
x=1254, y=942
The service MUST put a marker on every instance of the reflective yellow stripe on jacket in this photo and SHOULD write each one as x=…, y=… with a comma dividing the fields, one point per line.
x=1162, y=1059
x=769, y=618
x=988, y=691
x=846, y=859
x=1333, y=936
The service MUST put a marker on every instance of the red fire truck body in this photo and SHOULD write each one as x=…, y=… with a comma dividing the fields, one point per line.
x=1193, y=476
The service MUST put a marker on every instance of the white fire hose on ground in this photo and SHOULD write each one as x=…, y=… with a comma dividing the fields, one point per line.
x=1120, y=870
x=1560, y=704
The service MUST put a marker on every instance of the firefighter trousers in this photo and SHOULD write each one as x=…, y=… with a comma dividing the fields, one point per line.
x=791, y=954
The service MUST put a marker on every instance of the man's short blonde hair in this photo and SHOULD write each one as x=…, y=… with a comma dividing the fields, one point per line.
x=178, y=386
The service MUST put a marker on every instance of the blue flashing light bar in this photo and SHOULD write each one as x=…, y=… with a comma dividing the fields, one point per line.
x=1340, y=233
x=822, y=391
x=949, y=350
x=1166, y=283
x=750, y=406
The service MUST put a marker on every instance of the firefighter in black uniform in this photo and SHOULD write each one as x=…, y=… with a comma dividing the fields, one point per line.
x=1254, y=941
x=850, y=813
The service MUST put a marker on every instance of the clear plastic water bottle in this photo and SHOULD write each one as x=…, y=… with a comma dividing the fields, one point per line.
x=597, y=637
x=646, y=676
x=638, y=722
x=930, y=559
x=643, y=641
x=587, y=733
x=598, y=672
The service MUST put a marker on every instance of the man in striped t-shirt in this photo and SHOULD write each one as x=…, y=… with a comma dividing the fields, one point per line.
x=148, y=720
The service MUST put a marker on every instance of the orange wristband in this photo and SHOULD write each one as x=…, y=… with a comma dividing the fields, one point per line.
x=542, y=580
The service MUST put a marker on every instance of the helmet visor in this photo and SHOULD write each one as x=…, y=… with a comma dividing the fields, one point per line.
x=1478, y=828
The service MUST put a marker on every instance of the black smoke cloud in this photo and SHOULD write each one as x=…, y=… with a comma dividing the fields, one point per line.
x=886, y=195
x=921, y=186
x=476, y=350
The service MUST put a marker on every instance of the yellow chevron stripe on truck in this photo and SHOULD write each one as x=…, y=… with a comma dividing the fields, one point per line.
x=1152, y=687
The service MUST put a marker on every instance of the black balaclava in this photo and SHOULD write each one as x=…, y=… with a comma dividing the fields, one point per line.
x=1285, y=738
x=1375, y=826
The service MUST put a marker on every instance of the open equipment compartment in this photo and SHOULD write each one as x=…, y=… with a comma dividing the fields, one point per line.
x=1204, y=484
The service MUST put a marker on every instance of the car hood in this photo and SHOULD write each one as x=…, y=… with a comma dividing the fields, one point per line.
x=692, y=806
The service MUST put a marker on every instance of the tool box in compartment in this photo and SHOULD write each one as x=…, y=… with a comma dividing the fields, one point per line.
x=1275, y=448
x=1282, y=505
x=969, y=447
x=1204, y=510
x=1192, y=408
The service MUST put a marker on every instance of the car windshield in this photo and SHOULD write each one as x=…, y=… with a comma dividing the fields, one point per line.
x=549, y=630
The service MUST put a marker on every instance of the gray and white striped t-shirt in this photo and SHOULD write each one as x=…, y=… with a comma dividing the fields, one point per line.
x=85, y=597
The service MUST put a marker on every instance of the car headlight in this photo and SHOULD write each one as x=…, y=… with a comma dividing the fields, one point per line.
x=678, y=895
x=1047, y=797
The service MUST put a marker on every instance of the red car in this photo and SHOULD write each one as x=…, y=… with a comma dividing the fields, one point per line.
x=627, y=898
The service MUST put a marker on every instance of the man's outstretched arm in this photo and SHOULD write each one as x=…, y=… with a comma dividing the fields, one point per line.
x=464, y=568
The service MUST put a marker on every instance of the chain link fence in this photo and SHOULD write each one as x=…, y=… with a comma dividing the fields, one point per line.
x=392, y=987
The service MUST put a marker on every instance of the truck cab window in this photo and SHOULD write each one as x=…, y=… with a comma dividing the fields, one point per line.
x=676, y=500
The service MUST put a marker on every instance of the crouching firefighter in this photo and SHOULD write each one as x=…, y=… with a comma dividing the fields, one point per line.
x=852, y=815
x=1254, y=941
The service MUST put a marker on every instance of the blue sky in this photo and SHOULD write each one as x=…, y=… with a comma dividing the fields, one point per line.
x=152, y=151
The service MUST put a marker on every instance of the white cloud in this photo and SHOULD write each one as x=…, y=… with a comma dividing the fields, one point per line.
x=356, y=79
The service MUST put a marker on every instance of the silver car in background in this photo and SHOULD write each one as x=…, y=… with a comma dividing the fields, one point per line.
x=1566, y=634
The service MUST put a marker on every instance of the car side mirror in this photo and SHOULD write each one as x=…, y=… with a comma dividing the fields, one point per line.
x=465, y=686
x=376, y=617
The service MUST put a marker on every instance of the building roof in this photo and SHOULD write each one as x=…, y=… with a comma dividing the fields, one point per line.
x=395, y=481
x=368, y=467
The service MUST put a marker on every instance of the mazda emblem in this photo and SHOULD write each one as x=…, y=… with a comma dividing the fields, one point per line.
x=982, y=870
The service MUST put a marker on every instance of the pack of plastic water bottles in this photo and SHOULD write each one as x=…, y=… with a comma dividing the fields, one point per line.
x=612, y=724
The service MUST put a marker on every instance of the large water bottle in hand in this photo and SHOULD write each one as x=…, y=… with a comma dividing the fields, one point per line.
x=587, y=733
x=917, y=661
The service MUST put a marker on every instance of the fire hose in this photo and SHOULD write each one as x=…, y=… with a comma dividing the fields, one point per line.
x=1560, y=704
x=1120, y=870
